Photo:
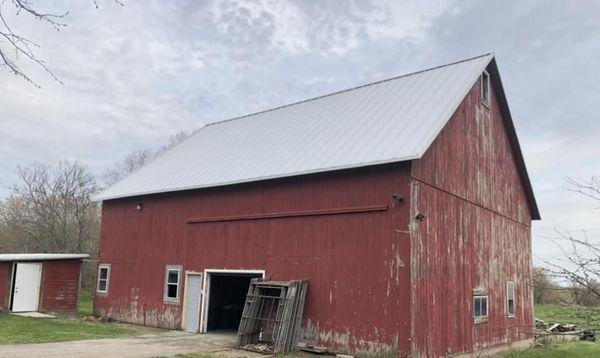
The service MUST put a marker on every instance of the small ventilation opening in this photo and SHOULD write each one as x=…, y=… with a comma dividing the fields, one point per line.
x=485, y=88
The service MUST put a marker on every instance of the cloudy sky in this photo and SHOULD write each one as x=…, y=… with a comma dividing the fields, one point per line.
x=136, y=74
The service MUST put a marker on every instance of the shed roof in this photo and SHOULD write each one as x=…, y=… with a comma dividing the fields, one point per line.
x=387, y=121
x=41, y=257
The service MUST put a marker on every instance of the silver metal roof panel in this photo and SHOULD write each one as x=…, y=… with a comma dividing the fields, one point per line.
x=388, y=121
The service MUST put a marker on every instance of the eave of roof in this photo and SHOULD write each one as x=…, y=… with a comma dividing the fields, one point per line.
x=514, y=140
x=41, y=257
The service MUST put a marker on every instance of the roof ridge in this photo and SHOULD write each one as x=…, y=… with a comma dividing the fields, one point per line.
x=350, y=89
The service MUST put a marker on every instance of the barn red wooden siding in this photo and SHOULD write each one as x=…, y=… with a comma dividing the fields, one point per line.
x=356, y=262
x=476, y=235
x=4, y=285
x=60, y=285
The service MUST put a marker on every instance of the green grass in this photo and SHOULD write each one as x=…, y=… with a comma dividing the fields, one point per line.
x=86, y=303
x=575, y=349
x=581, y=316
x=16, y=329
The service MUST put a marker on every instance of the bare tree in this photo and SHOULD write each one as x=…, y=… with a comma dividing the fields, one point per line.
x=542, y=285
x=174, y=140
x=14, y=47
x=12, y=213
x=589, y=188
x=7, y=241
x=50, y=210
x=578, y=268
x=137, y=158
x=128, y=165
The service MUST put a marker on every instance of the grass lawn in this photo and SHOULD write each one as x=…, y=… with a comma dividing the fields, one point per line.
x=564, y=314
x=575, y=349
x=15, y=329
x=86, y=303
x=568, y=314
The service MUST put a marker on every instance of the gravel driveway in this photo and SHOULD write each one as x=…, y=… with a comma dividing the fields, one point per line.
x=175, y=342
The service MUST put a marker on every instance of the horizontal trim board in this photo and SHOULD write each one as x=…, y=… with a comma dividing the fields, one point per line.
x=320, y=212
x=419, y=180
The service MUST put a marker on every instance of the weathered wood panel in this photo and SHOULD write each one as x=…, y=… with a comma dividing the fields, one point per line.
x=5, y=268
x=60, y=285
x=472, y=158
x=476, y=236
x=356, y=262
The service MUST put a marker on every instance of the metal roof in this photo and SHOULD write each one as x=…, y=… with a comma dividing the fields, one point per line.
x=388, y=121
x=41, y=257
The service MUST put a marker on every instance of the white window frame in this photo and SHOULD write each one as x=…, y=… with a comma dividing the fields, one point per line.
x=100, y=267
x=508, y=298
x=486, y=98
x=179, y=270
x=481, y=318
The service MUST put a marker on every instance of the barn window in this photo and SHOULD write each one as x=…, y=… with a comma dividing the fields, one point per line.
x=480, y=308
x=485, y=88
x=510, y=298
x=103, y=278
x=172, y=279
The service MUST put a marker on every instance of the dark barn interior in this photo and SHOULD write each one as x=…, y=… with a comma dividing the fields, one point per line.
x=226, y=302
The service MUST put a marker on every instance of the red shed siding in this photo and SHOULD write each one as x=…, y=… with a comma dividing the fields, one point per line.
x=60, y=285
x=4, y=285
x=356, y=263
x=476, y=235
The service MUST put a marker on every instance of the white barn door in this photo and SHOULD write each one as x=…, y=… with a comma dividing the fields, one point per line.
x=192, y=302
x=27, y=287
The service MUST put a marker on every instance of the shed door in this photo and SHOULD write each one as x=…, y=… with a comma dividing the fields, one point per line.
x=27, y=287
x=192, y=302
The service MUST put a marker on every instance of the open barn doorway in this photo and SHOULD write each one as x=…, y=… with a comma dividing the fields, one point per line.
x=224, y=298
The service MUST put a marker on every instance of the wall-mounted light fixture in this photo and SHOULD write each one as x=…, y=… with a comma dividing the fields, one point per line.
x=398, y=197
x=139, y=206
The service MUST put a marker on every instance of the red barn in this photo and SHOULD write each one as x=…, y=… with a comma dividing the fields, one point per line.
x=40, y=282
x=405, y=202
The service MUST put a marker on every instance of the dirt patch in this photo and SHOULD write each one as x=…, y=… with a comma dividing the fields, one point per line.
x=165, y=344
